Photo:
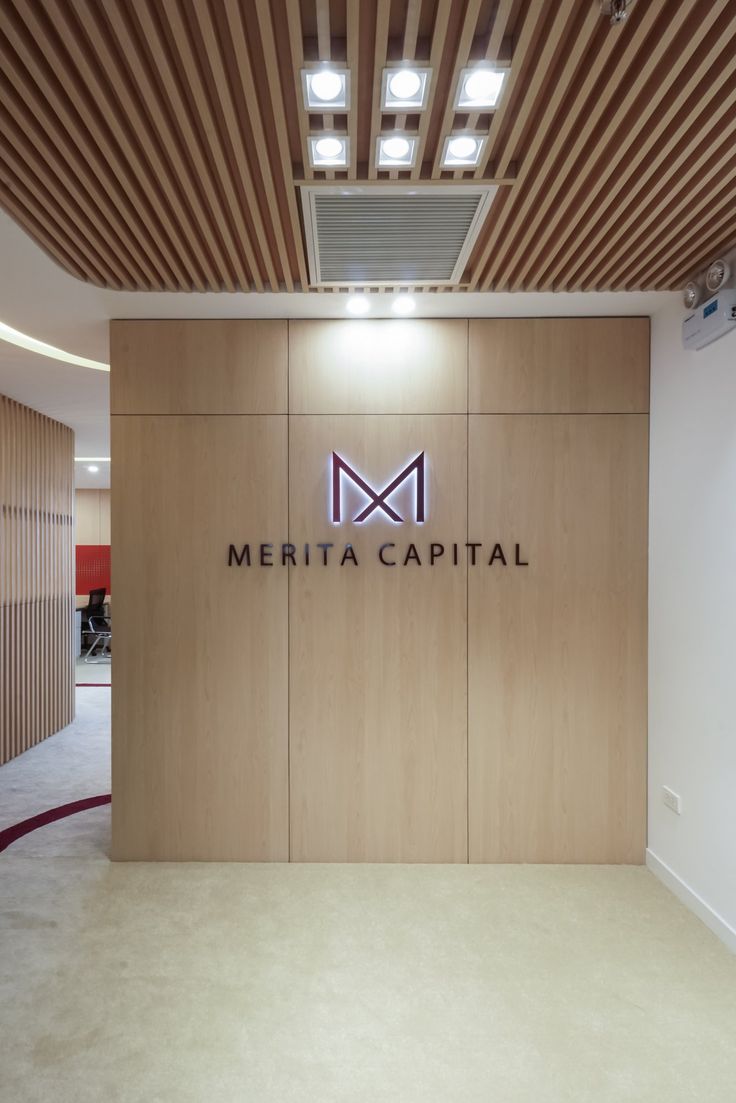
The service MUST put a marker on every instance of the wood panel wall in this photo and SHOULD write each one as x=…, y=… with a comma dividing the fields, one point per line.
x=341, y=713
x=92, y=516
x=36, y=577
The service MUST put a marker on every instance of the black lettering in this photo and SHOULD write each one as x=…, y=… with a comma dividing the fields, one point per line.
x=266, y=555
x=324, y=548
x=244, y=555
x=497, y=554
x=288, y=551
x=386, y=562
x=472, y=552
x=306, y=554
x=435, y=551
x=413, y=554
x=349, y=553
x=519, y=561
x=454, y=555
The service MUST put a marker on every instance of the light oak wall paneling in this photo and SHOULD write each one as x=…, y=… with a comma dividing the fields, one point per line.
x=200, y=693
x=378, y=367
x=558, y=651
x=36, y=577
x=92, y=516
x=559, y=365
x=378, y=705
x=198, y=367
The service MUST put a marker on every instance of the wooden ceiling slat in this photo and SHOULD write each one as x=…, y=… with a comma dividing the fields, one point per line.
x=538, y=158
x=280, y=136
x=34, y=83
x=10, y=202
x=608, y=111
x=22, y=136
x=380, y=50
x=182, y=187
x=523, y=46
x=714, y=207
x=680, y=196
x=222, y=81
x=39, y=205
x=697, y=252
x=462, y=54
x=161, y=143
x=669, y=117
x=439, y=37
x=236, y=233
x=131, y=164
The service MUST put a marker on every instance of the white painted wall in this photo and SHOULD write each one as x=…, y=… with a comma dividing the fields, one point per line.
x=692, y=629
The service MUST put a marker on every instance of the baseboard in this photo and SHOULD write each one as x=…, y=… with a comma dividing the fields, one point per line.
x=692, y=901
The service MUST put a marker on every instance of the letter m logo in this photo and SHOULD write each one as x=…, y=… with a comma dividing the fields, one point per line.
x=377, y=499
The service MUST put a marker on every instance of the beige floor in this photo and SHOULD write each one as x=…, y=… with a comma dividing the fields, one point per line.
x=217, y=984
x=97, y=672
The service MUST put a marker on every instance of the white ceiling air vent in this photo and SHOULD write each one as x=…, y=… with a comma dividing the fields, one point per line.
x=392, y=234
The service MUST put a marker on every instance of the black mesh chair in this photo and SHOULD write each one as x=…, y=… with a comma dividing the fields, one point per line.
x=101, y=630
x=95, y=607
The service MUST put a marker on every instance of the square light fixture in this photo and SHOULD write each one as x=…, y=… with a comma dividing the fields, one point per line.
x=462, y=151
x=326, y=89
x=480, y=87
x=396, y=151
x=329, y=151
x=405, y=88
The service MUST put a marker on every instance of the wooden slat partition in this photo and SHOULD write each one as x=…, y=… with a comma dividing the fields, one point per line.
x=36, y=577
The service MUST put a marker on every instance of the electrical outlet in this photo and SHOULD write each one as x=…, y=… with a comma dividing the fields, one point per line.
x=672, y=800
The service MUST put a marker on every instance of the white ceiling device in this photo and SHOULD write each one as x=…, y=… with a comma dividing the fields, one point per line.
x=710, y=298
x=392, y=235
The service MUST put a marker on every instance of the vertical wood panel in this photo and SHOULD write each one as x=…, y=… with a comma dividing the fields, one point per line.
x=378, y=654
x=36, y=577
x=559, y=365
x=200, y=689
x=558, y=650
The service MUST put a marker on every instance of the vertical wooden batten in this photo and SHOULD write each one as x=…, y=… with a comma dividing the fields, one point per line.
x=36, y=577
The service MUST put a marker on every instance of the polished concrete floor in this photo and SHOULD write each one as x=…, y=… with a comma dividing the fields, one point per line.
x=97, y=672
x=217, y=984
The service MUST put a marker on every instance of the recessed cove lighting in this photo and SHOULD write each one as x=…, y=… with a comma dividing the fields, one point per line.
x=403, y=304
x=462, y=150
x=15, y=337
x=396, y=151
x=480, y=87
x=358, y=304
x=329, y=151
x=91, y=459
x=326, y=89
x=405, y=89
x=93, y=468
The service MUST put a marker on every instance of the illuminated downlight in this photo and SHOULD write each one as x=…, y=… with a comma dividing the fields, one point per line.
x=93, y=468
x=326, y=89
x=405, y=89
x=331, y=151
x=691, y=295
x=462, y=151
x=396, y=151
x=403, y=304
x=480, y=87
x=357, y=305
x=717, y=275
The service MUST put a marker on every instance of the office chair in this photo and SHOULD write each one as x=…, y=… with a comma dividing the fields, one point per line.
x=101, y=629
x=95, y=607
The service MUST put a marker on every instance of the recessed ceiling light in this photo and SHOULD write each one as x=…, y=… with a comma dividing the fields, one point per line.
x=403, y=304
x=329, y=151
x=326, y=89
x=15, y=337
x=480, y=87
x=395, y=151
x=358, y=304
x=91, y=459
x=405, y=89
x=462, y=150
x=93, y=468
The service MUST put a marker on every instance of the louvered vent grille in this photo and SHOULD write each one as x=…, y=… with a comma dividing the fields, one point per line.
x=391, y=235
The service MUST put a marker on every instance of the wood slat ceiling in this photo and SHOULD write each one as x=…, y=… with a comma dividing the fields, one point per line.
x=159, y=144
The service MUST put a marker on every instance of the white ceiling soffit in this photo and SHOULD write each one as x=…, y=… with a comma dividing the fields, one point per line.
x=373, y=236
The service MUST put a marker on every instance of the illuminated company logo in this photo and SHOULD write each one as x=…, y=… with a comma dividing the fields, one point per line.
x=378, y=500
